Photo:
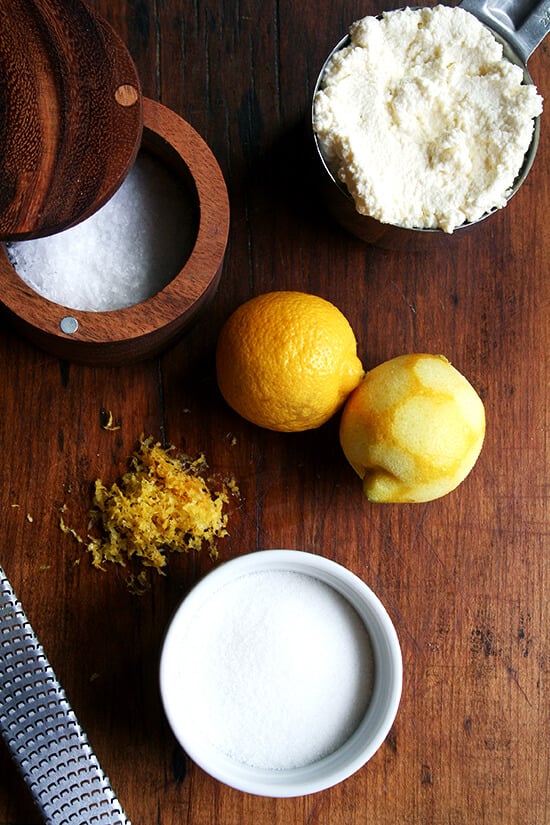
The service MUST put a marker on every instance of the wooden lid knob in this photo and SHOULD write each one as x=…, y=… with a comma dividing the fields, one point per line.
x=70, y=115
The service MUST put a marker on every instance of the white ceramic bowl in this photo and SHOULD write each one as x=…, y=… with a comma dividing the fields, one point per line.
x=371, y=730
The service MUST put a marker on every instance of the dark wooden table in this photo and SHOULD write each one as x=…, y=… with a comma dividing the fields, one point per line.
x=465, y=578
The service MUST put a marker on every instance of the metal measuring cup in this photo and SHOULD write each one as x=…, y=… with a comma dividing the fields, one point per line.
x=520, y=26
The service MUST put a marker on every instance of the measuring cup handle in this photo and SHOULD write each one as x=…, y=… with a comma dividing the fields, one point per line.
x=523, y=25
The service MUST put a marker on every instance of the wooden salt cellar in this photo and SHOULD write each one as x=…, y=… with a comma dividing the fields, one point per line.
x=76, y=120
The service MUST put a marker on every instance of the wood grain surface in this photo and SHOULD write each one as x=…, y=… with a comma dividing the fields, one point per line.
x=465, y=579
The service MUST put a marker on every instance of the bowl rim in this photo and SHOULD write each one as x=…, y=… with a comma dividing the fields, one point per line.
x=381, y=710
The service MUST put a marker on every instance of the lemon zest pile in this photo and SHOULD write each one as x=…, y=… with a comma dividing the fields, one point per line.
x=161, y=504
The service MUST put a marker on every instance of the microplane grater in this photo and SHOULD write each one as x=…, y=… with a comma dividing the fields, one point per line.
x=42, y=732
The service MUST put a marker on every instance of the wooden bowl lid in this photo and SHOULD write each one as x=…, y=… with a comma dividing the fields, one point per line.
x=71, y=122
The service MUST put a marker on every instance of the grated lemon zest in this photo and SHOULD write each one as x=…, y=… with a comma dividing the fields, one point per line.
x=161, y=504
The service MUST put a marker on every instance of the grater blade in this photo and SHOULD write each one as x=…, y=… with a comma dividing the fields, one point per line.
x=42, y=732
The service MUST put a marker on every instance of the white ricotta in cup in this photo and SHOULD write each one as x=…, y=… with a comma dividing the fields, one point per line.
x=423, y=118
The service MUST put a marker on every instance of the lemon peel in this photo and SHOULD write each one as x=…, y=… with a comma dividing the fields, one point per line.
x=287, y=360
x=413, y=429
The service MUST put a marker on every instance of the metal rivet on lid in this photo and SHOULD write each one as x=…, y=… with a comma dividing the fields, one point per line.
x=68, y=324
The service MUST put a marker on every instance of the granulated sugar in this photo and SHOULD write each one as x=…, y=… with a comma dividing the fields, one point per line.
x=124, y=253
x=278, y=669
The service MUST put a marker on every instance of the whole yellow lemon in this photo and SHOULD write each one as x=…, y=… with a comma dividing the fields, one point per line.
x=413, y=429
x=287, y=360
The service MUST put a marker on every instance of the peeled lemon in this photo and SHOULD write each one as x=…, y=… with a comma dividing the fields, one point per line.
x=413, y=429
x=287, y=360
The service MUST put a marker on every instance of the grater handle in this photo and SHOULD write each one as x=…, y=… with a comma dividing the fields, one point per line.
x=42, y=732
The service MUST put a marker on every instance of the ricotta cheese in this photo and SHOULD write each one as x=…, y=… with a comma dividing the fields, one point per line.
x=424, y=119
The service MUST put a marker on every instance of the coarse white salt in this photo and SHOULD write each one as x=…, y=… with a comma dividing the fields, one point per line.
x=125, y=253
x=278, y=669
